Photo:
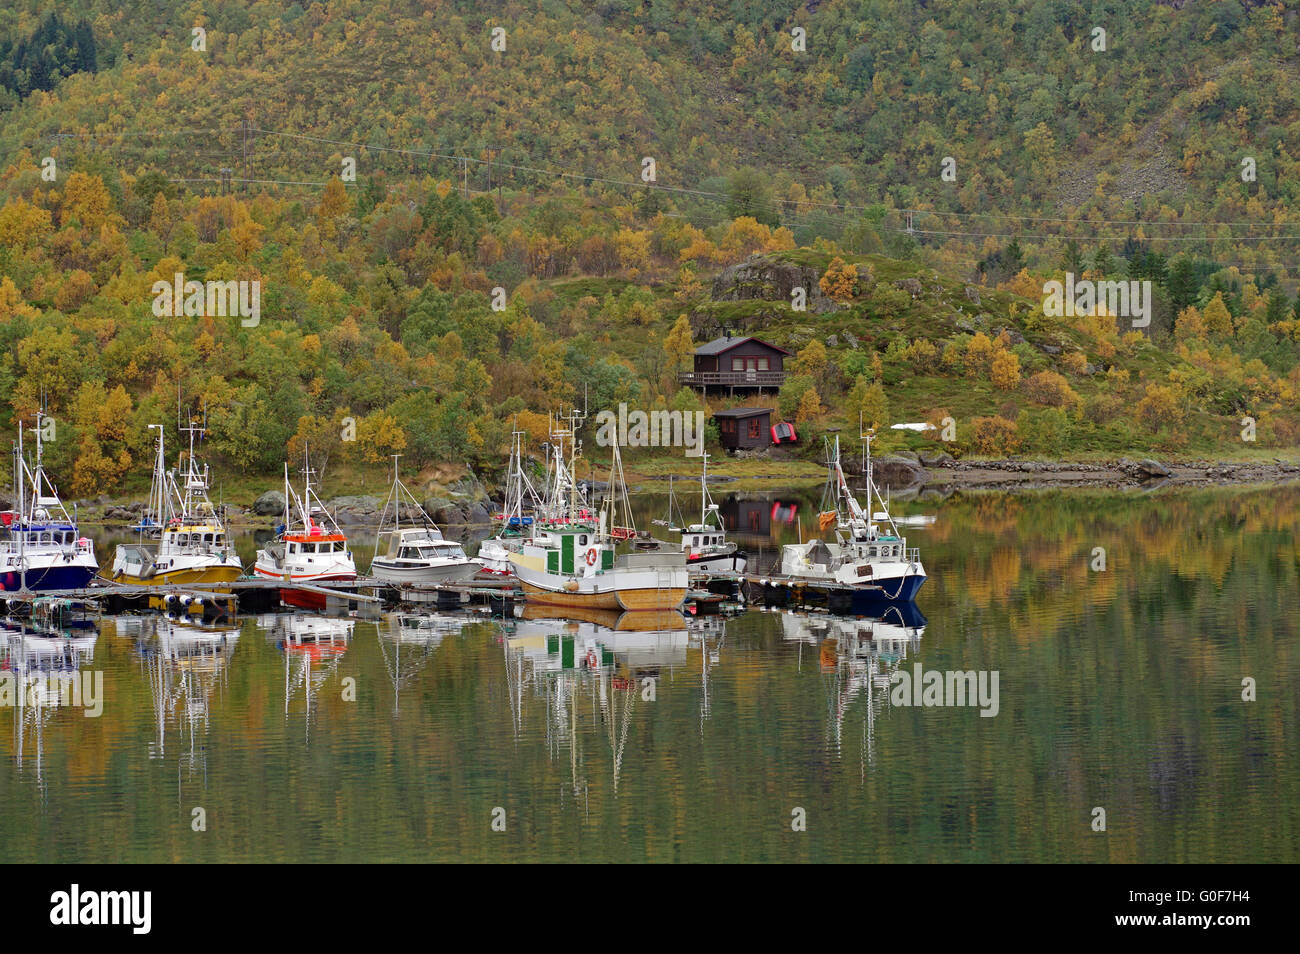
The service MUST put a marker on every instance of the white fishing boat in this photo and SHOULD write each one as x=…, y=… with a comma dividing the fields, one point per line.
x=41, y=548
x=193, y=546
x=867, y=554
x=309, y=547
x=571, y=559
x=415, y=554
x=708, y=552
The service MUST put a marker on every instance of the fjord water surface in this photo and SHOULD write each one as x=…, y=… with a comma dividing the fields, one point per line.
x=307, y=739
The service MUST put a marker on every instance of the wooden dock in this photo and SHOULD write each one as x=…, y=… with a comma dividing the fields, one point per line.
x=260, y=594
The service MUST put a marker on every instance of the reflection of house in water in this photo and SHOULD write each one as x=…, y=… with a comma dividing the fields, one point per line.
x=749, y=519
x=187, y=663
x=39, y=669
x=407, y=641
x=313, y=647
x=857, y=657
x=753, y=516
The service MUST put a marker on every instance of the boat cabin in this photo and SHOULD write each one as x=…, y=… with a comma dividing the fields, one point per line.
x=419, y=543
x=315, y=543
x=193, y=537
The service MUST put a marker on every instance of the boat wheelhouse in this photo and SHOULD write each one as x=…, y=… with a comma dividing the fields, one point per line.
x=41, y=548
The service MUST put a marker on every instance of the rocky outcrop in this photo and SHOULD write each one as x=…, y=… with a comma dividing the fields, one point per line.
x=1144, y=469
x=445, y=512
x=935, y=458
x=764, y=278
x=269, y=504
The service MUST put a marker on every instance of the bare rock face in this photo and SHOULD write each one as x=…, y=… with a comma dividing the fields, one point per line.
x=909, y=285
x=269, y=504
x=763, y=278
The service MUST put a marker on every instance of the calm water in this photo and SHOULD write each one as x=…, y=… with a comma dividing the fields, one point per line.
x=1118, y=688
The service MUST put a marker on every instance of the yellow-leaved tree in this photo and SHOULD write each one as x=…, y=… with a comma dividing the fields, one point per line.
x=840, y=282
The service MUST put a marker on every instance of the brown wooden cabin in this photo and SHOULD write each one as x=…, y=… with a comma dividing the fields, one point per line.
x=744, y=427
x=737, y=363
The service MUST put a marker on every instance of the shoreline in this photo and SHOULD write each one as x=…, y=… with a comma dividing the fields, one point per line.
x=900, y=474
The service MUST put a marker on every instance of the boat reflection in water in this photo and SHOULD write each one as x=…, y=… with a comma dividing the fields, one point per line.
x=44, y=670
x=187, y=664
x=590, y=668
x=407, y=641
x=313, y=647
x=857, y=657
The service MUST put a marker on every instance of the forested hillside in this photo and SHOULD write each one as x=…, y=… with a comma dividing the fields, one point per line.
x=603, y=164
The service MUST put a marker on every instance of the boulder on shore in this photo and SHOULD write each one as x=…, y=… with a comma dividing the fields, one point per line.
x=896, y=472
x=269, y=504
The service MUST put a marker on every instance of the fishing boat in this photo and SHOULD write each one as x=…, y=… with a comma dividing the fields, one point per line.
x=521, y=507
x=308, y=548
x=41, y=548
x=193, y=546
x=705, y=544
x=867, y=556
x=415, y=554
x=570, y=559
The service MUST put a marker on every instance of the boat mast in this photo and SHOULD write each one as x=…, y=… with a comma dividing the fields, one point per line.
x=158, y=492
x=20, y=484
x=704, y=492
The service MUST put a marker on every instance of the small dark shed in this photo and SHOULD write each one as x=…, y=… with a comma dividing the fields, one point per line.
x=744, y=427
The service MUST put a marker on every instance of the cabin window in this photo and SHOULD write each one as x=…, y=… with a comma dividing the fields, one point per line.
x=582, y=539
x=220, y=539
x=207, y=538
x=737, y=364
x=339, y=546
x=293, y=548
x=754, y=429
x=762, y=364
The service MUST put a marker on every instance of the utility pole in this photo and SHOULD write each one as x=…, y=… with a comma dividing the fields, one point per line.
x=494, y=153
x=245, y=126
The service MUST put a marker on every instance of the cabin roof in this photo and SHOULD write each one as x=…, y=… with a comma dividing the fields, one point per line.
x=315, y=537
x=722, y=345
x=743, y=412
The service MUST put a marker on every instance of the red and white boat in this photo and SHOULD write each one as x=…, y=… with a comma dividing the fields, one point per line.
x=309, y=548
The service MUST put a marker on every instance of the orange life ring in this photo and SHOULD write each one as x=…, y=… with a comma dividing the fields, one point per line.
x=591, y=557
